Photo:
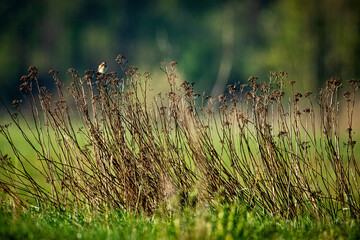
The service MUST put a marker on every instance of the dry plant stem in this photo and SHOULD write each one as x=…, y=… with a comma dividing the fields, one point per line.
x=139, y=154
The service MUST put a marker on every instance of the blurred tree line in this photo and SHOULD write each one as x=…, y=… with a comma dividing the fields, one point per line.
x=215, y=42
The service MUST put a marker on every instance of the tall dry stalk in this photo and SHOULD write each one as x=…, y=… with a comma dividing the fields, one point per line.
x=134, y=153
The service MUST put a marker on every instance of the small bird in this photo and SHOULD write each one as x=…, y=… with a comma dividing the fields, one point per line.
x=102, y=68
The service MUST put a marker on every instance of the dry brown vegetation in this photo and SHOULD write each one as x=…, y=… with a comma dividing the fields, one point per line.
x=135, y=153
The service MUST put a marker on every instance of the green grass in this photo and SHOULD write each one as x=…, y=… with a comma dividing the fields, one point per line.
x=222, y=222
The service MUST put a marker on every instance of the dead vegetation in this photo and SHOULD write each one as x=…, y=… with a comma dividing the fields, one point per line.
x=135, y=153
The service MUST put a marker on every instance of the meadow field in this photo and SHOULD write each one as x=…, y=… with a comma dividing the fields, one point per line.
x=108, y=157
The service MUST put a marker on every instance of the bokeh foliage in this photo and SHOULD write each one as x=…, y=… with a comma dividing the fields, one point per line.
x=224, y=41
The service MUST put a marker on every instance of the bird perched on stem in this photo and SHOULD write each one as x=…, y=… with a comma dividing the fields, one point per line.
x=102, y=68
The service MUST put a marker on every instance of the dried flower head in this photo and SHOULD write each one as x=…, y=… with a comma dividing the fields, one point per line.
x=173, y=63
x=346, y=94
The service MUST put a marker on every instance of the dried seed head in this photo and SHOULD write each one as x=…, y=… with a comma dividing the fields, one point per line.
x=89, y=72
x=252, y=79
x=24, y=78
x=275, y=93
x=353, y=82
x=333, y=83
x=173, y=63
x=195, y=95
x=283, y=74
x=346, y=94
x=147, y=74
x=222, y=98
x=273, y=73
x=249, y=96
x=120, y=58
x=16, y=102
x=25, y=86
x=33, y=69
x=307, y=110
x=242, y=86
x=211, y=100
x=352, y=143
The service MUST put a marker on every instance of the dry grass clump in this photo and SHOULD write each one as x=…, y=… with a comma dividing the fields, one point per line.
x=136, y=153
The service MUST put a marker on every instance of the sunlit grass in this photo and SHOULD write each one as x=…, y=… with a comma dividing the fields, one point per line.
x=221, y=222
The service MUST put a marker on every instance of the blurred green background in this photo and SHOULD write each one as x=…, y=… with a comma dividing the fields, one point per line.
x=214, y=42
